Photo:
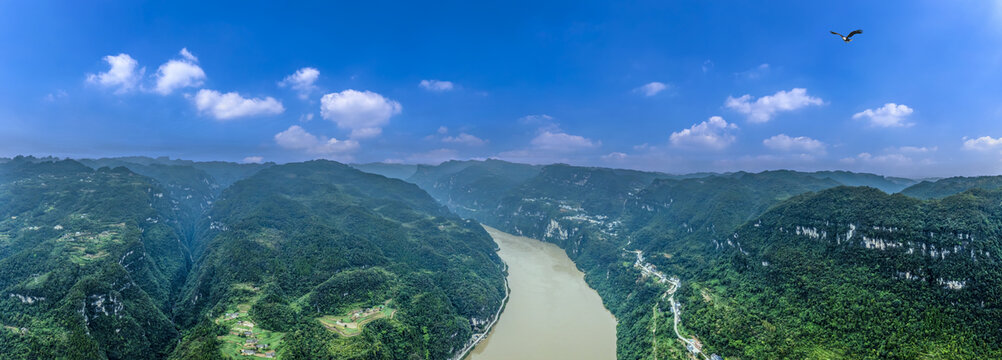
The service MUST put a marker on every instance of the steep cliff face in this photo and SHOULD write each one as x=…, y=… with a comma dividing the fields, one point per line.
x=90, y=262
x=299, y=246
x=867, y=274
x=767, y=263
x=163, y=262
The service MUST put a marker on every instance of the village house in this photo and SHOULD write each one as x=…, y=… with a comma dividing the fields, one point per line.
x=270, y=354
x=251, y=341
x=262, y=346
x=248, y=333
x=247, y=352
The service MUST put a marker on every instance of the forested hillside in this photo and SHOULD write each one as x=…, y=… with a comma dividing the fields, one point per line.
x=139, y=258
x=89, y=262
x=855, y=273
x=731, y=303
x=394, y=171
x=191, y=186
x=949, y=186
x=887, y=184
x=297, y=246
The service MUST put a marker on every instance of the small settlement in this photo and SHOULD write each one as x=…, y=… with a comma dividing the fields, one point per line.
x=352, y=323
x=245, y=338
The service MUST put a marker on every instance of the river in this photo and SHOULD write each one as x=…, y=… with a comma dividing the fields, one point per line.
x=551, y=312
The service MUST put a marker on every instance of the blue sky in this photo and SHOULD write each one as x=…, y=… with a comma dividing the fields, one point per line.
x=677, y=86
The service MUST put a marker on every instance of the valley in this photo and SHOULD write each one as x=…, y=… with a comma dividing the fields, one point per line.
x=320, y=260
x=709, y=230
x=500, y=180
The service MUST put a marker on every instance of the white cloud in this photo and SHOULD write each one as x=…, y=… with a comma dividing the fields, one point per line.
x=613, y=156
x=805, y=144
x=465, y=139
x=306, y=117
x=188, y=55
x=652, y=88
x=231, y=105
x=551, y=144
x=559, y=141
x=764, y=108
x=436, y=85
x=707, y=65
x=253, y=160
x=296, y=138
x=362, y=112
x=983, y=143
x=712, y=134
x=302, y=81
x=176, y=74
x=889, y=115
x=443, y=130
x=123, y=75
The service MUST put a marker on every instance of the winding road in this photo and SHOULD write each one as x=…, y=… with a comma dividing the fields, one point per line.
x=673, y=284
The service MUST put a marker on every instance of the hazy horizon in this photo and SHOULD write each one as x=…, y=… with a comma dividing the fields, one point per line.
x=169, y=158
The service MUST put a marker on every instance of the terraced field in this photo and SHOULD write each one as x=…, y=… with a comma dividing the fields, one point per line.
x=245, y=339
x=352, y=323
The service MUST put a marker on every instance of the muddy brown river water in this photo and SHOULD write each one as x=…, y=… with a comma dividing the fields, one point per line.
x=552, y=313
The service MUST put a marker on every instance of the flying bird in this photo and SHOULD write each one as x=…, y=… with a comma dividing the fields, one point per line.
x=848, y=38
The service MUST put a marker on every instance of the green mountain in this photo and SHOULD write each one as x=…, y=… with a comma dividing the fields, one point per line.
x=135, y=258
x=223, y=173
x=467, y=186
x=888, y=184
x=855, y=273
x=90, y=261
x=745, y=293
x=191, y=186
x=949, y=186
x=297, y=247
x=394, y=171
x=153, y=259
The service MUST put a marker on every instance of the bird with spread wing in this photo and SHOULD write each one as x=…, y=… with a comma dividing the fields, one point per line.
x=848, y=38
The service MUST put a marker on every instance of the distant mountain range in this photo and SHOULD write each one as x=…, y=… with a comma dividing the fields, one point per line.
x=149, y=259
x=778, y=264
x=153, y=258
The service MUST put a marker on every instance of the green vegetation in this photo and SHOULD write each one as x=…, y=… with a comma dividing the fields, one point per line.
x=243, y=337
x=154, y=259
x=752, y=287
x=949, y=186
x=856, y=273
x=91, y=262
x=321, y=239
x=354, y=321
x=140, y=258
x=886, y=184
x=393, y=171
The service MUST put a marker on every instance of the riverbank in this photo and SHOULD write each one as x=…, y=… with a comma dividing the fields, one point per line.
x=551, y=313
x=477, y=338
